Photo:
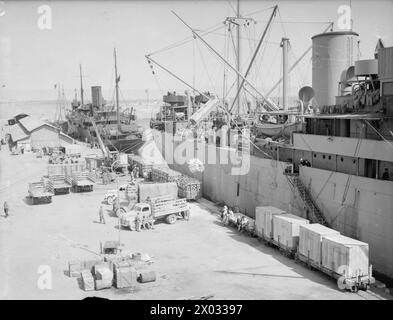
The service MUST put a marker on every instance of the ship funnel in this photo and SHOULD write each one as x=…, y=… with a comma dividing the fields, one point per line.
x=306, y=94
x=96, y=97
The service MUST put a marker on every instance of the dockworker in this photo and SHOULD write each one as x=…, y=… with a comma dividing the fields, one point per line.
x=231, y=217
x=186, y=215
x=115, y=206
x=224, y=212
x=225, y=219
x=101, y=214
x=243, y=223
x=150, y=221
x=6, y=208
x=138, y=222
x=146, y=222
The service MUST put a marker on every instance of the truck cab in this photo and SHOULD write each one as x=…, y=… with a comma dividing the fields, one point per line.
x=127, y=219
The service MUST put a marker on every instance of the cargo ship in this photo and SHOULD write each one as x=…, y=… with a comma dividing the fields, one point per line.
x=334, y=163
x=117, y=127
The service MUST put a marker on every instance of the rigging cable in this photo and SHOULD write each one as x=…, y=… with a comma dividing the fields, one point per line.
x=207, y=70
x=186, y=40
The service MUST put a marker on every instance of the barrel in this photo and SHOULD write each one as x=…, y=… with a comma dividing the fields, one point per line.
x=147, y=276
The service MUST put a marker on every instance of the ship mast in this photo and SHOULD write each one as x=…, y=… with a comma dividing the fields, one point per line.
x=117, y=79
x=284, y=45
x=238, y=84
x=80, y=75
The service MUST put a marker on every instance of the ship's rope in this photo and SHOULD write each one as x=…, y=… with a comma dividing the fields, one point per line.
x=246, y=38
x=188, y=39
x=258, y=11
x=281, y=22
x=207, y=70
x=233, y=9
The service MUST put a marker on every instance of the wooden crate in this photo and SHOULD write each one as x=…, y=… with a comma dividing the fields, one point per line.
x=310, y=241
x=87, y=280
x=286, y=230
x=189, y=188
x=264, y=220
x=125, y=277
x=342, y=254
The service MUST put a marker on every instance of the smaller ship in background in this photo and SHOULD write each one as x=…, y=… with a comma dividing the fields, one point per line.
x=60, y=120
x=117, y=126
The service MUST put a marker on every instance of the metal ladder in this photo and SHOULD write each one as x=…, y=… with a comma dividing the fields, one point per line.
x=315, y=212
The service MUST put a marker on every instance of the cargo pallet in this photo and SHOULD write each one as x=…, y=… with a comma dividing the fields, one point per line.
x=362, y=282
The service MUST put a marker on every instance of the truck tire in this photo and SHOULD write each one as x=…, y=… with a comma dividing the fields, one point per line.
x=171, y=219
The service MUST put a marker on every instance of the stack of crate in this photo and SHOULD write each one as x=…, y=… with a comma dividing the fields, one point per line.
x=142, y=164
x=164, y=174
x=189, y=188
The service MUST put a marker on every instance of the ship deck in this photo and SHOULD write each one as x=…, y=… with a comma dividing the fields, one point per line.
x=193, y=258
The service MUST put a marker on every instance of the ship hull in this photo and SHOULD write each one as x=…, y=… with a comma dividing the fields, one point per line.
x=365, y=215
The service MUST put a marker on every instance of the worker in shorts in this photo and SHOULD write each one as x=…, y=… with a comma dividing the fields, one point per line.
x=225, y=219
x=6, y=209
x=231, y=217
x=104, y=177
x=242, y=225
x=138, y=222
x=101, y=214
x=150, y=221
x=224, y=212
x=186, y=215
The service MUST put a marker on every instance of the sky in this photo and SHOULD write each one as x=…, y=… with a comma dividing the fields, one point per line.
x=32, y=60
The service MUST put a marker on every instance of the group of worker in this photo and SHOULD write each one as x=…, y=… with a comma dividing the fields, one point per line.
x=135, y=173
x=228, y=218
x=144, y=222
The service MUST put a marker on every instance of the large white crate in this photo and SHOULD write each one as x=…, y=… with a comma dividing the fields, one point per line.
x=344, y=255
x=310, y=240
x=264, y=220
x=286, y=230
